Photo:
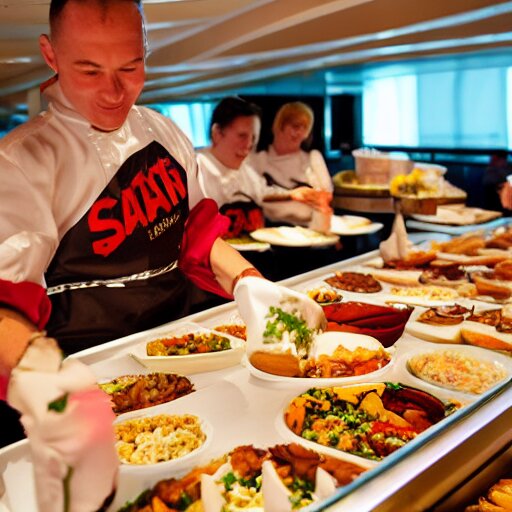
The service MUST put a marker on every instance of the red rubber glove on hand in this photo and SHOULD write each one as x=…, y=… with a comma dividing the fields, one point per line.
x=204, y=225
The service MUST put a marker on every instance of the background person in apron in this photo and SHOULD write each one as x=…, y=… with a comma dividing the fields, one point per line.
x=226, y=176
x=224, y=172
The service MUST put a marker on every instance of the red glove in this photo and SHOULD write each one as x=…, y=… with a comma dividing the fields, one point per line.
x=204, y=225
x=30, y=299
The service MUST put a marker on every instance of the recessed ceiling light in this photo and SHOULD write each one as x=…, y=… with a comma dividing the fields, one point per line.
x=166, y=1
x=16, y=60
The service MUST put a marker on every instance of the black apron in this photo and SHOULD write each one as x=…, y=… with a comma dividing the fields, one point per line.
x=244, y=217
x=247, y=216
x=115, y=272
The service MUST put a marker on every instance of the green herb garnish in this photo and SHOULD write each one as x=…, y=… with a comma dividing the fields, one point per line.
x=143, y=499
x=250, y=483
x=281, y=322
x=228, y=480
x=185, y=501
x=302, y=493
x=59, y=405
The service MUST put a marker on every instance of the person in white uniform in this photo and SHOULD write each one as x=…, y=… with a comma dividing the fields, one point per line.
x=287, y=165
x=227, y=173
x=224, y=172
x=102, y=222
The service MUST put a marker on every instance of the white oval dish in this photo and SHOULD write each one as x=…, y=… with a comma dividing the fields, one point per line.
x=479, y=354
x=173, y=464
x=290, y=437
x=192, y=363
x=433, y=333
x=298, y=236
x=350, y=225
x=329, y=342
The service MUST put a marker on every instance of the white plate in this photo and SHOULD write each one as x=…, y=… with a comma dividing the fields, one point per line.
x=167, y=466
x=501, y=361
x=193, y=363
x=288, y=433
x=458, y=216
x=353, y=225
x=423, y=301
x=314, y=381
x=293, y=237
x=249, y=246
x=434, y=333
x=350, y=340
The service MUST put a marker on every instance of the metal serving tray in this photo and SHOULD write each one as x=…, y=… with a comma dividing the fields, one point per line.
x=243, y=409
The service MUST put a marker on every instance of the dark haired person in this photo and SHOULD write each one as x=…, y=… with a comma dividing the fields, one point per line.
x=102, y=221
x=223, y=171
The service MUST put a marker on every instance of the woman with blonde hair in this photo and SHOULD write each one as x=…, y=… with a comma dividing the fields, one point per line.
x=287, y=165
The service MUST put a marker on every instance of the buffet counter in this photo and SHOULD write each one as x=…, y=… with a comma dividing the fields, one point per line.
x=241, y=407
x=419, y=225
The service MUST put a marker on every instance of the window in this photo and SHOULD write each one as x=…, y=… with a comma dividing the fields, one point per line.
x=509, y=107
x=390, y=116
x=192, y=118
x=462, y=108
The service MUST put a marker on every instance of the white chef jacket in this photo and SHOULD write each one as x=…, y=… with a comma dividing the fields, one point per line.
x=291, y=171
x=55, y=165
x=226, y=185
x=238, y=192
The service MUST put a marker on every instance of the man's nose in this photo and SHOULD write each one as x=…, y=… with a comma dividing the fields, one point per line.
x=113, y=89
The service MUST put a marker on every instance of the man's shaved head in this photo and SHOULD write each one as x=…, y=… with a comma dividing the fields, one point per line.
x=57, y=6
x=97, y=49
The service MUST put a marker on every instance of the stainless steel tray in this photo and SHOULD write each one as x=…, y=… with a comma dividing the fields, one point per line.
x=234, y=402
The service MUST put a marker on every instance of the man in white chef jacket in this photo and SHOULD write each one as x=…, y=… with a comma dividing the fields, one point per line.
x=101, y=225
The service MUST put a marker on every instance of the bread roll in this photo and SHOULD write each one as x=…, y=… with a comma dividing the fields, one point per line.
x=462, y=259
x=482, y=335
x=284, y=364
x=465, y=244
x=399, y=277
x=503, y=270
x=435, y=333
x=496, y=288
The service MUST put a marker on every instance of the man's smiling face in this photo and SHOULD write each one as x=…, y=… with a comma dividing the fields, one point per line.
x=98, y=54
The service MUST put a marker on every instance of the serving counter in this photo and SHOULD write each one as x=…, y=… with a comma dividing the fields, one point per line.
x=456, y=230
x=244, y=409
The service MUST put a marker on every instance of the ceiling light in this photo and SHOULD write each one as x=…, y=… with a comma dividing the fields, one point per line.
x=16, y=60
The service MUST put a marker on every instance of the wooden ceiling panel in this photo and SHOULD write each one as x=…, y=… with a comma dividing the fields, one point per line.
x=207, y=46
x=194, y=9
x=372, y=18
x=265, y=18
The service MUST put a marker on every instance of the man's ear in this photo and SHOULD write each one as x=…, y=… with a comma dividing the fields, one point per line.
x=48, y=52
x=216, y=133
